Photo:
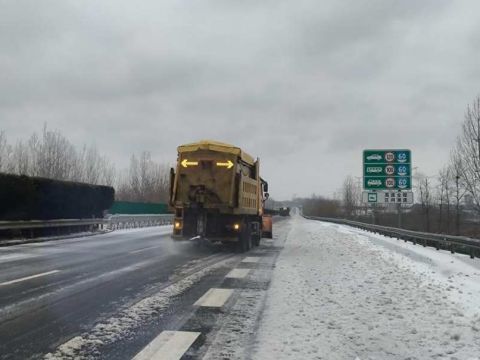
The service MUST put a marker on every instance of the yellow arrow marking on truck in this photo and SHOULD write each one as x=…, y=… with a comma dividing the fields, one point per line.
x=227, y=164
x=186, y=163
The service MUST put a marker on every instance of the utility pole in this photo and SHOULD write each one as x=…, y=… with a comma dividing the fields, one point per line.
x=399, y=214
x=457, y=215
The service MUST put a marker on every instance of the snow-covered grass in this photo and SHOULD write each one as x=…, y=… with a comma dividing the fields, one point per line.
x=341, y=293
x=456, y=273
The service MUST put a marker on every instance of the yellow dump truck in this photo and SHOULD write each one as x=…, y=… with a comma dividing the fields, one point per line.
x=217, y=194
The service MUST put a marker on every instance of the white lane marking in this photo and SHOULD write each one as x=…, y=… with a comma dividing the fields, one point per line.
x=214, y=298
x=15, y=257
x=28, y=278
x=139, y=250
x=169, y=345
x=251, y=259
x=238, y=273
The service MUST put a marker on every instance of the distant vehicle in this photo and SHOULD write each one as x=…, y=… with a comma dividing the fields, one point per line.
x=375, y=157
x=218, y=195
x=284, y=211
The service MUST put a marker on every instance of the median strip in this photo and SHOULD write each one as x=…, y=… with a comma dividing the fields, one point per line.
x=28, y=278
x=169, y=345
x=214, y=298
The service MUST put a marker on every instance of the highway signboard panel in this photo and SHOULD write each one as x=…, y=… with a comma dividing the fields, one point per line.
x=387, y=170
x=387, y=156
x=388, y=197
x=387, y=183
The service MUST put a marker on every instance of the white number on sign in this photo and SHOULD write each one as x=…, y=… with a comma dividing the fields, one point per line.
x=390, y=183
x=402, y=170
x=390, y=170
x=402, y=157
x=402, y=183
x=389, y=156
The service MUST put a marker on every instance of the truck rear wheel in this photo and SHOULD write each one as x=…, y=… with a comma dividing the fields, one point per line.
x=256, y=240
x=245, y=238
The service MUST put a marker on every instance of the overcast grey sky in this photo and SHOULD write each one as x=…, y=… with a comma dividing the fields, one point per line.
x=305, y=85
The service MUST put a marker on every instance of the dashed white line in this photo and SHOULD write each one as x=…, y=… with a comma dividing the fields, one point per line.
x=139, y=250
x=238, y=273
x=214, y=298
x=169, y=345
x=251, y=259
x=28, y=278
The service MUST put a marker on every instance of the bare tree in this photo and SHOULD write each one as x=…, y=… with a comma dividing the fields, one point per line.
x=445, y=195
x=467, y=152
x=145, y=180
x=5, y=152
x=350, y=196
x=444, y=199
x=424, y=190
x=460, y=186
x=52, y=155
x=320, y=206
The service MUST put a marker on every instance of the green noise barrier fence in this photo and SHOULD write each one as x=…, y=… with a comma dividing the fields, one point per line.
x=127, y=207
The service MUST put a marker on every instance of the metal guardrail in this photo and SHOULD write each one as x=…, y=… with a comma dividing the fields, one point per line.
x=113, y=222
x=44, y=224
x=453, y=244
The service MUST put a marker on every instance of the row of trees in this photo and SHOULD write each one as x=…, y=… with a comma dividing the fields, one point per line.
x=51, y=155
x=448, y=202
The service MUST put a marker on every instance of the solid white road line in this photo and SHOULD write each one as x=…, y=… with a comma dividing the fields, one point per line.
x=214, y=298
x=169, y=345
x=238, y=273
x=251, y=259
x=28, y=278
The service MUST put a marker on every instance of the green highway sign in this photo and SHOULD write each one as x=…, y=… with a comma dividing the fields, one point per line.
x=387, y=183
x=387, y=156
x=387, y=170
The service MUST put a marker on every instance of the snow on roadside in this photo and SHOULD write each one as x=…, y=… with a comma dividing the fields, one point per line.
x=457, y=274
x=337, y=294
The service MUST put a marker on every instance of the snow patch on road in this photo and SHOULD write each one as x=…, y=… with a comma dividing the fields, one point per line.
x=127, y=320
x=236, y=328
x=337, y=295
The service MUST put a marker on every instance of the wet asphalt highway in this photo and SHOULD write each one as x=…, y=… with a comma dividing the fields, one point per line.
x=55, y=292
